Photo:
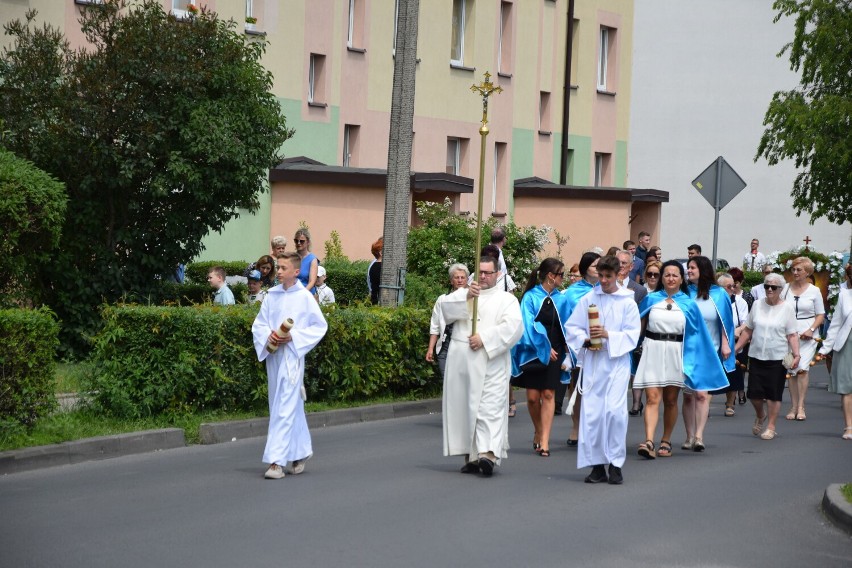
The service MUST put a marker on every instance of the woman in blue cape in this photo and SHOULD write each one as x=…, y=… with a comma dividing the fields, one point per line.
x=571, y=295
x=718, y=316
x=537, y=357
x=677, y=352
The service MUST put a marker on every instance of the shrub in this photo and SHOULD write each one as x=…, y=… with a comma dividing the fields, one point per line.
x=154, y=360
x=348, y=280
x=197, y=271
x=334, y=248
x=32, y=209
x=27, y=369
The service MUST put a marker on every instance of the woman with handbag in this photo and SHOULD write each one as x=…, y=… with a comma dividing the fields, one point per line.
x=440, y=332
x=771, y=329
x=537, y=357
x=837, y=349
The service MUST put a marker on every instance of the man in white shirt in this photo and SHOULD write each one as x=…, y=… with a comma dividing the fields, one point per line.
x=754, y=259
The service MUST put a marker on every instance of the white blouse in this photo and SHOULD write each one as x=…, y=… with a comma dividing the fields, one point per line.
x=770, y=327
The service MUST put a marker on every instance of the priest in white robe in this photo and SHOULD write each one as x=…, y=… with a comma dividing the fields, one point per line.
x=288, y=440
x=605, y=372
x=476, y=383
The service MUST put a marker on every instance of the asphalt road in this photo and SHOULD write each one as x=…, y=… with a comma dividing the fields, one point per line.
x=380, y=494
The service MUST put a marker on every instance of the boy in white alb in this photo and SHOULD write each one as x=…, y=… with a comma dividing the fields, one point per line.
x=288, y=439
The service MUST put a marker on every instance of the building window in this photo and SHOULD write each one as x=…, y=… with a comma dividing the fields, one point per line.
x=461, y=32
x=544, y=113
x=505, y=47
x=355, y=34
x=602, y=58
x=453, y=156
x=602, y=166
x=180, y=8
x=499, y=181
x=316, y=79
x=606, y=81
x=350, y=145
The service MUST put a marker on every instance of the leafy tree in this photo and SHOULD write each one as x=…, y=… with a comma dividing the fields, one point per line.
x=32, y=208
x=161, y=129
x=811, y=124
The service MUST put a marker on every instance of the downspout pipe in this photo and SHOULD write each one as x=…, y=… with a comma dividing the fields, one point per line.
x=566, y=93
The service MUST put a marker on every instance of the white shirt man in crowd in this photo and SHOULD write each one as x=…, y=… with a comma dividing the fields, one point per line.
x=754, y=259
x=476, y=393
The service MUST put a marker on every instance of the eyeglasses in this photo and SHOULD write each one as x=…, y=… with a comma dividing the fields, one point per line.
x=300, y=241
x=487, y=272
x=652, y=275
x=768, y=287
x=574, y=275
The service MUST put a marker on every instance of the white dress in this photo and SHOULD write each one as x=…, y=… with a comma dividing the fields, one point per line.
x=805, y=307
x=661, y=364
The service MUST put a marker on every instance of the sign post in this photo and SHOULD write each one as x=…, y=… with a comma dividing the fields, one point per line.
x=718, y=184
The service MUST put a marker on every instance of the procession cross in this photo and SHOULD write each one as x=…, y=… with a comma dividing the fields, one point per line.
x=807, y=241
x=485, y=90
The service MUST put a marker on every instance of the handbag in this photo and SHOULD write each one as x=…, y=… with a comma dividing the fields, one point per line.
x=787, y=361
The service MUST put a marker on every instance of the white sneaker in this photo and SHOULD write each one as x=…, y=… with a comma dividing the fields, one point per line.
x=297, y=467
x=275, y=471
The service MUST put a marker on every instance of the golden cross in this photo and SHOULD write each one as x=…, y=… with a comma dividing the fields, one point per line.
x=485, y=89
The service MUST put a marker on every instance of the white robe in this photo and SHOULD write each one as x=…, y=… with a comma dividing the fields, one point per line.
x=476, y=383
x=605, y=375
x=288, y=438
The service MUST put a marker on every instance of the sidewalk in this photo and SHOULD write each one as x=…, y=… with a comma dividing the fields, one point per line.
x=105, y=447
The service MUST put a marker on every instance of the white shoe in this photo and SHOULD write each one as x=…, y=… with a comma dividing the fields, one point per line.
x=297, y=467
x=275, y=471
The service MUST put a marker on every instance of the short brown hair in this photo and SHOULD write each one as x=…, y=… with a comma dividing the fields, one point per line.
x=293, y=257
x=377, y=247
x=218, y=271
x=805, y=263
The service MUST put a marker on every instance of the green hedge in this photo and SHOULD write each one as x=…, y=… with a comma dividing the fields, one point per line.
x=29, y=339
x=348, y=280
x=154, y=360
x=197, y=271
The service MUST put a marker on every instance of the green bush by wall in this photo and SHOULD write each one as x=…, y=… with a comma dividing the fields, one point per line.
x=197, y=271
x=154, y=360
x=28, y=342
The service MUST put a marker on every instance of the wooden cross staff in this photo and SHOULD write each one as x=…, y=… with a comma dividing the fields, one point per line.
x=484, y=89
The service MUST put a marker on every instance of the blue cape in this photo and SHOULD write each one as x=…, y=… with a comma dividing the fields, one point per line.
x=701, y=365
x=573, y=293
x=726, y=315
x=534, y=344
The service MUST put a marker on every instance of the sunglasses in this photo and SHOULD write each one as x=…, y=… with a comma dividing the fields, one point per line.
x=771, y=287
x=559, y=274
x=300, y=241
x=652, y=275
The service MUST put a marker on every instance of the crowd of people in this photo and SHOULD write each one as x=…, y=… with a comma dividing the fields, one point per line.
x=627, y=319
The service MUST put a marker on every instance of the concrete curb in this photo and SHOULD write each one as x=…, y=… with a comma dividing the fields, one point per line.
x=102, y=447
x=105, y=447
x=220, y=432
x=837, y=508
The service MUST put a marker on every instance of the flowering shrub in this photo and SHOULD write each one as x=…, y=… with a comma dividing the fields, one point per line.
x=446, y=238
x=832, y=263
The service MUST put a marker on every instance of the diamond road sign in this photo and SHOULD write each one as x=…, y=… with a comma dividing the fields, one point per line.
x=729, y=187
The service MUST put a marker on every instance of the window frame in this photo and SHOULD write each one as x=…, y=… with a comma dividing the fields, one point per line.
x=603, y=58
x=458, y=32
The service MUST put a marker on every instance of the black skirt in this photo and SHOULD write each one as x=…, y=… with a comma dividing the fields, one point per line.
x=535, y=374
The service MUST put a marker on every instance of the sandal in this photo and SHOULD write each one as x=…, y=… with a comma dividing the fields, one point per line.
x=758, y=425
x=791, y=415
x=698, y=446
x=665, y=450
x=847, y=433
x=513, y=409
x=800, y=416
x=742, y=399
x=646, y=450
x=767, y=434
x=729, y=410
x=544, y=453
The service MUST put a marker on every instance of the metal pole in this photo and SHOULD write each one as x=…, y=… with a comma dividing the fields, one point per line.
x=716, y=208
x=484, y=89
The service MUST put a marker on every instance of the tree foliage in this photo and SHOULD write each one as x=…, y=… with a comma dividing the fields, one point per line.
x=32, y=209
x=811, y=124
x=161, y=129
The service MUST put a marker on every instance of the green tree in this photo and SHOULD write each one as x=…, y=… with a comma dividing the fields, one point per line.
x=161, y=129
x=32, y=209
x=811, y=124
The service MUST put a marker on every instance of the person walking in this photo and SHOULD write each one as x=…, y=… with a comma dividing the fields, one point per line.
x=537, y=357
x=474, y=417
x=837, y=349
x=440, y=332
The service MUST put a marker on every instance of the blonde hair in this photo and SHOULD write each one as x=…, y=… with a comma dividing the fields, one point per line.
x=805, y=263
